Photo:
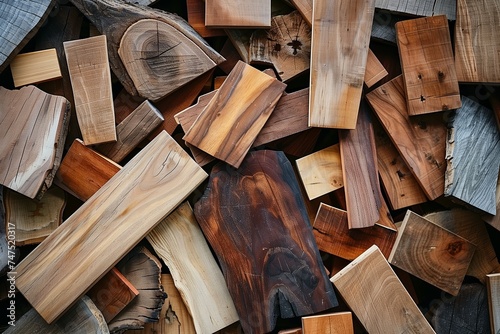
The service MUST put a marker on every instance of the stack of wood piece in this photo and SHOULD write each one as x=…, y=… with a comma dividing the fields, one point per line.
x=250, y=167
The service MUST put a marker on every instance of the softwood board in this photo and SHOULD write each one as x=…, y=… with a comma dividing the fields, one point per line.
x=340, y=38
x=420, y=8
x=432, y=253
x=428, y=66
x=477, y=46
x=332, y=323
x=495, y=220
x=391, y=309
x=493, y=284
x=238, y=13
x=124, y=104
x=35, y=67
x=105, y=227
x=196, y=19
x=178, y=240
x=375, y=71
x=91, y=81
x=420, y=141
x=229, y=124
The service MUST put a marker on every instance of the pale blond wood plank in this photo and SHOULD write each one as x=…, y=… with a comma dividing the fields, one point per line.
x=105, y=227
x=420, y=8
x=375, y=71
x=493, y=285
x=238, y=13
x=333, y=323
x=91, y=82
x=340, y=38
x=35, y=67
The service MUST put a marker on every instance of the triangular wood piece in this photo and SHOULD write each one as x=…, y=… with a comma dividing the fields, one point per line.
x=238, y=14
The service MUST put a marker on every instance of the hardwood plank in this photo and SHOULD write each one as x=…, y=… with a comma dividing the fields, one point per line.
x=124, y=104
x=33, y=128
x=476, y=44
x=246, y=98
x=428, y=67
x=167, y=176
x=432, y=253
x=196, y=18
x=493, y=285
x=495, y=220
x=334, y=323
x=340, y=38
x=391, y=310
x=35, y=67
x=178, y=240
x=91, y=81
x=84, y=171
x=375, y=71
x=291, y=331
x=472, y=149
x=420, y=141
x=420, y=8
x=495, y=105
x=238, y=14
x=321, y=171
x=263, y=241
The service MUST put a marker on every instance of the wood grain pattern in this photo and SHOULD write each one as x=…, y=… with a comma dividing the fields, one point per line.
x=428, y=67
x=432, y=253
x=420, y=141
x=391, y=309
x=246, y=99
x=375, y=71
x=333, y=323
x=473, y=157
x=33, y=128
x=178, y=240
x=321, y=171
x=91, y=81
x=305, y=7
x=263, y=241
x=340, y=38
x=493, y=285
x=125, y=104
x=420, y=8
x=196, y=19
x=35, y=67
x=477, y=46
x=166, y=175
x=495, y=220
x=238, y=14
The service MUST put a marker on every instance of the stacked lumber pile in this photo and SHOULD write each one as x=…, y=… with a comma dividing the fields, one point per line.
x=250, y=166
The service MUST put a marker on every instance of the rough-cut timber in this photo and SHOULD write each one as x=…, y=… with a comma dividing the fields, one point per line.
x=432, y=253
x=256, y=222
x=238, y=13
x=428, y=66
x=33, y=128
x=35, y=67
x=178, y=240
x=472, y=156
x=390, y=308
x=420, y=8
x=340, y=38
x=105, y=227
x=493, y=284
x=333, y=323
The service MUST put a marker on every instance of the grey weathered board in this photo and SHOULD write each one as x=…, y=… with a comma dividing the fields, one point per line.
x=420, y=8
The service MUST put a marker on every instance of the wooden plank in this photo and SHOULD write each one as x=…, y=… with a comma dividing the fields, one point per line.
x=420, y=8
x=305, y=7
x=335, y=323
x=495, y=105
x=132, y=131
x=321, y=171
x=33, y=128
x=476, y=44
x=333, y=235
x=420, y=141
x=246, y=98
x=432, y=253
x=238, y=14
x=493, y=285
x=196, y=18
x=391, y=309
x=473, y=157
x=35, y=67
x=178, y=240
x=375, y=71
x=291, y=331
x=167, y=176
x=428, y=67
x=340, y=38
x=124, y=104
x=91, y=81
x=263, y=241
x=84, y=171
x=495, y=220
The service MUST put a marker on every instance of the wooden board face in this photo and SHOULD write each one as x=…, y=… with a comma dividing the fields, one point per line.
x=340, y=38
x=333, y=323
x=495, y=220
x=428, y=66
x=35, y=67
x=105, y=227
x=238, y=13
x=375, y=71
x=493, y=284
x=420, y=8
x=196, y=19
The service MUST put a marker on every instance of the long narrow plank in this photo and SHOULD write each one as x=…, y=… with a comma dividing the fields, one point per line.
x=229, y=124
x=333, y=323
x=35, y=67
x=391, y=309
x=473, y=157
x=196, y=19
x=178, y=240
x=420, y=8
x=420, y=141
x=238, y=13
x=105, y=227
x=493, y=285
x=428, y=67
x=340, y=38
x=477, y=46
x=91, y=81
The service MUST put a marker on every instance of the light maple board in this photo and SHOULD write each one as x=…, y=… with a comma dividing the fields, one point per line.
x=34, y=67
x=238, y=13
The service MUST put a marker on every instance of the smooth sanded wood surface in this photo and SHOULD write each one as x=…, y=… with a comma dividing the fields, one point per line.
x=432, y=253
x=493, y=285
x=332, y=323
x=33, y=128
x=91, y=81
x=477, y=46
x=229, y=124
x=340, y=38
x=321, y=171
x=35, y=67
x=238, y=13
x=428, y=66
x=256, y=222
x=196, y=19
x=420, y=141
x=391, y=309
x=105, y=227
x=473, y=157
x=375, y=71
x=178, y=240
x=420, y=8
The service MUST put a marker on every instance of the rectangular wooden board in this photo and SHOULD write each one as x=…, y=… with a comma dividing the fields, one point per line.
x=339, y=49
x=34, y=67
x=105, y=228
x=375, y=71
x=196, y=19
x=420, y=8
x=238, y=14
x=332, y=323
x=495, y=220
x=493, y=285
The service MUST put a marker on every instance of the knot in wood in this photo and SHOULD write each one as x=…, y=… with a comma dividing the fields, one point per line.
x=454, y=248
